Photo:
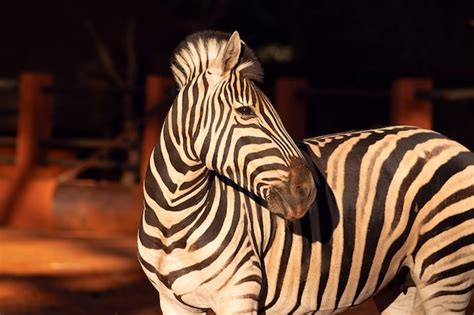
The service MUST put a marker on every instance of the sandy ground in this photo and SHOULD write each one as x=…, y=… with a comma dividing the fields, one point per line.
x=71, y=273
x=44, y=273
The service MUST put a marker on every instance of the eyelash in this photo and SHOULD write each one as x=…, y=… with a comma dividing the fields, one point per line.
x=245, y=111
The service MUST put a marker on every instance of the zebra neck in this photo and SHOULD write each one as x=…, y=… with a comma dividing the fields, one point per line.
x=175, y=186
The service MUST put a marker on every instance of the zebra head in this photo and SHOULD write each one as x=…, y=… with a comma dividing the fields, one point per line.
x=231, y=125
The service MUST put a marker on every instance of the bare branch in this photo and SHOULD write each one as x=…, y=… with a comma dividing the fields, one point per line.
x=104, y=56
x=130, y=51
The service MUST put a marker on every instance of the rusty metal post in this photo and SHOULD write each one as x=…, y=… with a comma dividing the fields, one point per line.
x=34, y=123
x=155, y=94
x=291, y=105
x=96, y=206
x=406, y=108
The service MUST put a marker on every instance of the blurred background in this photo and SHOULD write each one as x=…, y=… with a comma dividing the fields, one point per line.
x=84, y=86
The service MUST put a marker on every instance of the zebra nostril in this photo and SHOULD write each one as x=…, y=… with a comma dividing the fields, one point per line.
x=300, y=191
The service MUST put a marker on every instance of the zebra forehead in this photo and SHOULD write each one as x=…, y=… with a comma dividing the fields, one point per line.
x=198, y=50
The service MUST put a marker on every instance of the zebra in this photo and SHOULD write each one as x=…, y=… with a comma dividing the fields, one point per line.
x=238, y=218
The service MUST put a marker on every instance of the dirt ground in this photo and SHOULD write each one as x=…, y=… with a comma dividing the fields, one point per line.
x=71, y=273
x=55, y=273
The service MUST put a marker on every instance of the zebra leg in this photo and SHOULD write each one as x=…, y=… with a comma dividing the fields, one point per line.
x=444, y=275
x=446, y=298
x=236, y=301
x=446, y=288
x=405, y=304
x=239, y=307
x=243, y=304
x=170, y=305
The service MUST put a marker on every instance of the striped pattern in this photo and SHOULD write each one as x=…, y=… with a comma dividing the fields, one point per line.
x=194, y=239
x=198, y=53
x=386, y=198
x=399, y=196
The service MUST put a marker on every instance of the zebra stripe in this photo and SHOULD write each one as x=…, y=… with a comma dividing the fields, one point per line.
x=406, y=177
x=226, y=185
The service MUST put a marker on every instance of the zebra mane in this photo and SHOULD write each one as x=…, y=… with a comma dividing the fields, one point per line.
x=195, y=53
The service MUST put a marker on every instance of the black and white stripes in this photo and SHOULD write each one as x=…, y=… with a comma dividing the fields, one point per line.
x=239, y=219
x=404, y=199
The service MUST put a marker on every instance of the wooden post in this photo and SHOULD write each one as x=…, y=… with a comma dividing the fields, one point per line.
x=155, y=94
x=34, y=124
x=406, y=108
x=292, y=105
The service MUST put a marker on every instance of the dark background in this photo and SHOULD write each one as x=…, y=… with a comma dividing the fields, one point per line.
x=335, y=44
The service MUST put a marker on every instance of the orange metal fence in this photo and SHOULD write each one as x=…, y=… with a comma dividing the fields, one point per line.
x=29, y=191
x=34, y=195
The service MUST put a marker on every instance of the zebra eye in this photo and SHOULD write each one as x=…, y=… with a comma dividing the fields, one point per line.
x=245, y=111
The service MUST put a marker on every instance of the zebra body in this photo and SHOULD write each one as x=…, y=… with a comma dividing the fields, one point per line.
x=398, y=196
x=225, y=224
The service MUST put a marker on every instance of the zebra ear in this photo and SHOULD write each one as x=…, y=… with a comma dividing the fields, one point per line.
x=231, y=53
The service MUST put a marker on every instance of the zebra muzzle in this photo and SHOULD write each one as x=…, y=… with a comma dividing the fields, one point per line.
x=294, y=198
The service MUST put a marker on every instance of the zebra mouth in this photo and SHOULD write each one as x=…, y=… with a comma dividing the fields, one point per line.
x=279, y=205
